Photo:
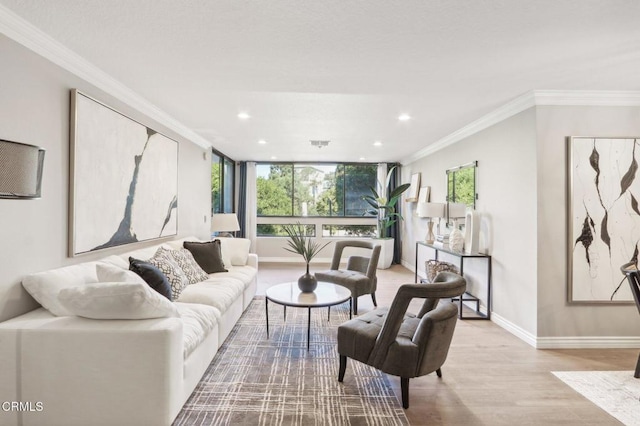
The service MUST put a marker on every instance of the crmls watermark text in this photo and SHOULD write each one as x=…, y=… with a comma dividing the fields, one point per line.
x=22, y=406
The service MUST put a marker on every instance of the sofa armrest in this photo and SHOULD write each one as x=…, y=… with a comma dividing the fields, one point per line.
x=252, y=260
x=102, y=370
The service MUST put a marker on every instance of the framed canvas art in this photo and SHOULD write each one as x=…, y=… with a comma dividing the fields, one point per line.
x=412, y=195
x=123, y=176
x=603, y=217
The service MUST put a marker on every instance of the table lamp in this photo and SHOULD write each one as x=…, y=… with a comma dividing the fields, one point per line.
x=430, y=211
x=224, y=224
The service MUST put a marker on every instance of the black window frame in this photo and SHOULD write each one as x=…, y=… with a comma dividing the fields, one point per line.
x=222, y=208
x=344, y=192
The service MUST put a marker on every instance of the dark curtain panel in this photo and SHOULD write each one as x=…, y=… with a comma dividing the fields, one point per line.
x=242, y=200
x=394, y=231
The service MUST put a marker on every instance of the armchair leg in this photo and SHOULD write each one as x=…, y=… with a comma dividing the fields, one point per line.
x=637, y=374
x=343, y=367
x=439, y=372
x=373, y=297
x=404, y=385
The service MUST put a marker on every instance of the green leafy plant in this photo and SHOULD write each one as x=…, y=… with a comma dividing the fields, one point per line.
x=384, y=206
x=300, y=244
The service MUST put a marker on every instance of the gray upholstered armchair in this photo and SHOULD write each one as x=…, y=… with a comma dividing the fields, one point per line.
x=359, y=276
x=402, y=344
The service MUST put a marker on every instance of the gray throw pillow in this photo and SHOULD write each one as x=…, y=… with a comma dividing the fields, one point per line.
x=208, y=255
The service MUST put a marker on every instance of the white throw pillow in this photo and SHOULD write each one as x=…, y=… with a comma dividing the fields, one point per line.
x=116, y=300
x=45, y=286
x=113, y=274
x=235, y=251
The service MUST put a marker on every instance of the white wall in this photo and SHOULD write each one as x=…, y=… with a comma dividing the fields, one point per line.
x=506, y=186
x=34, y=108
x=555, y=316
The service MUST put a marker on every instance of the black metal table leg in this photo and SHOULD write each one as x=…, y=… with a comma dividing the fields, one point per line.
x=266, y=310
x=350, y=308
x=285, y=313
x=328, y=313
x=308, y=328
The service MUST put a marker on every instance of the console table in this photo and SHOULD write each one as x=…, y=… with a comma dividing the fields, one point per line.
x=466, y=297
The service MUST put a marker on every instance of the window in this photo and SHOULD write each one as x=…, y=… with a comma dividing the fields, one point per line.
x=222, y=183
x=314, y=190
x=461, y=184
x=277, y=230
x=349, y=230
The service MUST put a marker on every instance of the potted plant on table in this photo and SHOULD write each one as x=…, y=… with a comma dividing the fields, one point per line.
x=300, y=244
x=383, y=205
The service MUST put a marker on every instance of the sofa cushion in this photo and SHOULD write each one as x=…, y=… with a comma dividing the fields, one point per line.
x=235, y=251
x=116, y=300
x=152, y=276
x=198, y=321
x=45, y=286
x=171, y=270
x=216, y=291
x=207, y=254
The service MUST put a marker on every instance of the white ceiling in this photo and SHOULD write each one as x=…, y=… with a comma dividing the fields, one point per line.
x=343, y=70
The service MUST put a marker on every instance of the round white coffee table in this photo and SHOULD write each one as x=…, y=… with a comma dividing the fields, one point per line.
x=325, y=295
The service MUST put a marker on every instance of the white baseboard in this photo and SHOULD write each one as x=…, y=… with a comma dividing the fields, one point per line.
x=589, y=342
x=517, y=331
x=568, y=342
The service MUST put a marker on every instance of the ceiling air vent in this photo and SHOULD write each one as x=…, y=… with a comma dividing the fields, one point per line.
x=319, y=144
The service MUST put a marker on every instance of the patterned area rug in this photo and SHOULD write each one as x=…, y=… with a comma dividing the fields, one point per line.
x=258, y=381
x=616, y=392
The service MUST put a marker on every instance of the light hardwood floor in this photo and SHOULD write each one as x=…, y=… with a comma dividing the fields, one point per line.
x=490, y=377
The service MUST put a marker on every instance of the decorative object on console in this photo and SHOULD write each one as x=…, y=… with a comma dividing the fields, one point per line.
x=20, y=170
x=124, y=179
x=471, y=232
x=603, y=216
x=430, y=211
x=224, y=224
x=412, y=195
x=456, y=211
x=298, y=243
x=434, y=267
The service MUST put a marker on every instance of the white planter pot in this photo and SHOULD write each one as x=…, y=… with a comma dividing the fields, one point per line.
x=386, y=252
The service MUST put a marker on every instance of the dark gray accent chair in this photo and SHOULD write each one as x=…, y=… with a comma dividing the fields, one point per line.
x=402, y=344
x=360, y=274
x=633, y=277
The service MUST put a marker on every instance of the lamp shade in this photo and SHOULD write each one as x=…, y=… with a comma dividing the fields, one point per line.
x=430, y=209
x=224, y=222
x=457, y=210
x=20, y=170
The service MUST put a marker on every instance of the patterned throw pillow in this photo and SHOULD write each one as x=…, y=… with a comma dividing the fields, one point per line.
x=176, y=277
x=189, y=266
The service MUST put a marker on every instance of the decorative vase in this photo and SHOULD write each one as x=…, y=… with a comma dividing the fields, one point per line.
x=307, y=283
x=456, y=238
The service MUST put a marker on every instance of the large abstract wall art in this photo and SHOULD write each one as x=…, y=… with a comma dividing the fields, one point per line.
x=124, y=179
x=604, y=217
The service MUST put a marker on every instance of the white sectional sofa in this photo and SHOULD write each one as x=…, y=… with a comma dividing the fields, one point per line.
x=68, y=370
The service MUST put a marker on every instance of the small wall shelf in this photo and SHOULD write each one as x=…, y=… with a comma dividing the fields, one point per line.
x=466, y=297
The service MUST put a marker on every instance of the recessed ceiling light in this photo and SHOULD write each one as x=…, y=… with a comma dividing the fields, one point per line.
x=404, y=117
x=273, y=157
x=262, y=142
x=243, y=116
x=362, y=158
x=377, y=143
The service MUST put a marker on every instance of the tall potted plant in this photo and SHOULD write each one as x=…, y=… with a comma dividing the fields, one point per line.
x=308, y=249
x=383, y=205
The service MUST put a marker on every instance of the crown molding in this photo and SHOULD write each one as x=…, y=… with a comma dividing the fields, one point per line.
x=526, y=101
x=21, y=31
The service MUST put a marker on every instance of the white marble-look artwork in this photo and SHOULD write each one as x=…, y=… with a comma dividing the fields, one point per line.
x=125, y=179
x=604, y=217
